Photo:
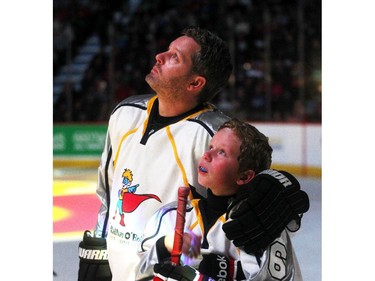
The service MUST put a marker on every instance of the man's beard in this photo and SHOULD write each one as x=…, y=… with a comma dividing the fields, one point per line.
x=171, y=88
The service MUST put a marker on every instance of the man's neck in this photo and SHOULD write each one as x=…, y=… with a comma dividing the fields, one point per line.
x=169, y=108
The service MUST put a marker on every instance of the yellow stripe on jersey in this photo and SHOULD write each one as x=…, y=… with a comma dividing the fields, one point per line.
x=222, y=218
x=198, y=214
x=177, y=157
x=179, y=163
x=122, y=140
x=149, y=107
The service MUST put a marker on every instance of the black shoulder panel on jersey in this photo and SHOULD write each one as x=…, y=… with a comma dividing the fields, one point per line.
x=211, y=120
x=139, y=101
x=208, y=129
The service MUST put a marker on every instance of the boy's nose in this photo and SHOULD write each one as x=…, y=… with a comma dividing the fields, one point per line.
x=207, y=156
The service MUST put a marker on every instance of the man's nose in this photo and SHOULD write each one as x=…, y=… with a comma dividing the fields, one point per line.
x=160, y=58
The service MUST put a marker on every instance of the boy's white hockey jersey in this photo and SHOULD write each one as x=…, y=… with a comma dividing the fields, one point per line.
x=135, y=187
x=278, y=261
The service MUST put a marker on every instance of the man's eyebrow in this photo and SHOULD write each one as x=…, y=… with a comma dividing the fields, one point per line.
x=180, y=53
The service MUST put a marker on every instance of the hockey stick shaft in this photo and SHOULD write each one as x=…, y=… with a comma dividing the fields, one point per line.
x=183, y=193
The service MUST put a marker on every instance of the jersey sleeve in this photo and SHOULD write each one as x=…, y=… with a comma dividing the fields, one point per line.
x=278, y=262
x=103, y=188
x=160, y=224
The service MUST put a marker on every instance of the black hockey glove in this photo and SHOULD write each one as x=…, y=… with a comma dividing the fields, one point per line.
x=221, y=268
x=167, y=271
x=93, y=259
x=262, y=209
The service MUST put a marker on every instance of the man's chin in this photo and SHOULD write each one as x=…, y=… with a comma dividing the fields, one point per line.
x=149, y=79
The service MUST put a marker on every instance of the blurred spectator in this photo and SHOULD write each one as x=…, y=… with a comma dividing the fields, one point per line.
x=95, y=104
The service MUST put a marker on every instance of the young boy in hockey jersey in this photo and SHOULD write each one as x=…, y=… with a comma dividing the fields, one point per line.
x=238, y=155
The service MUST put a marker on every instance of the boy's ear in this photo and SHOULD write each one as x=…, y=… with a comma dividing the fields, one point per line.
x=245, y=177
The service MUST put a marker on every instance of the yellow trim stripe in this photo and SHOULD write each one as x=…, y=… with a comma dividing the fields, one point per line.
x=149, y=107
x=193, y=225
x=198, y=214
x=178, y=160
x=182, y=169
x=222, y=218
x=195, y=114
x=150, y=103
x=122, y=140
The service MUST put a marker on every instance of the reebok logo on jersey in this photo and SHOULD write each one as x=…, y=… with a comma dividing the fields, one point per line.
x=279, y=176
x=89, y=254
x=223, y=272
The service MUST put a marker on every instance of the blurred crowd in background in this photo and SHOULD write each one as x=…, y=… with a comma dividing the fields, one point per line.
x=275, y=46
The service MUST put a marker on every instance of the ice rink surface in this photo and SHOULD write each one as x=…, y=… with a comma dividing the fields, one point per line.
x=307, y=241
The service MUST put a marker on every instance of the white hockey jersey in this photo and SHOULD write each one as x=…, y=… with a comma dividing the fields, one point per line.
x=277, y=263
x=135, y=187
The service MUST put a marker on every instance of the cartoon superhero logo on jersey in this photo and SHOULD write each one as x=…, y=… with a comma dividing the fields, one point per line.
x=128, y=201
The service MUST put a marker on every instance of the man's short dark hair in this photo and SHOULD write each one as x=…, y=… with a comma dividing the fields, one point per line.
x=213, y=61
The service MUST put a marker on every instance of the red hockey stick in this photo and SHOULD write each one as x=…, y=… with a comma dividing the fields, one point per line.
x=183, y=193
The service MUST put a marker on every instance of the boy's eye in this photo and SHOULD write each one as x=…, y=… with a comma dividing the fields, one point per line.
x=222, y=152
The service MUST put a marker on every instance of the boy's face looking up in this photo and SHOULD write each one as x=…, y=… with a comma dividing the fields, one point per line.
x=219, y=168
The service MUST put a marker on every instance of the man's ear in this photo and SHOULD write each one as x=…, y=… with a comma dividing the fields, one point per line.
x=197, y=84
x=245, y=177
